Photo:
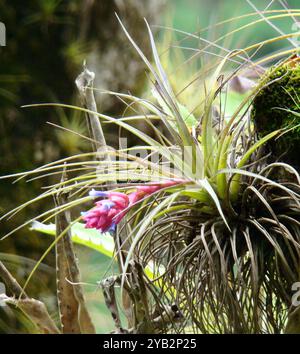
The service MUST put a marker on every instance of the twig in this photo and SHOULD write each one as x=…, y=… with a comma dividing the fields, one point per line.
x=37, y=312
x=84, y=83
x=73, y=311
x=10, y=282
x=34, y=309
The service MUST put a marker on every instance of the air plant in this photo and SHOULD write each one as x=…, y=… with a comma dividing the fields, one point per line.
x=220, y=226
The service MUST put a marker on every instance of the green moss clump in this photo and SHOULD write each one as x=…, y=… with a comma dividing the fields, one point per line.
x=281, y=89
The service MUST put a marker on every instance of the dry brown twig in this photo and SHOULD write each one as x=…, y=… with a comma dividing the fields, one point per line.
x=74, y=315
x=34, y=309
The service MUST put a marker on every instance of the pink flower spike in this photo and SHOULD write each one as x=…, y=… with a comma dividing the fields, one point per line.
x=108, y=212
x=134, y=197
x=152, y=188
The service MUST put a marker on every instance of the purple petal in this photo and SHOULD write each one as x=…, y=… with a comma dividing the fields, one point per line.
x=107, y=204
x=95, y=194
x=112, y=228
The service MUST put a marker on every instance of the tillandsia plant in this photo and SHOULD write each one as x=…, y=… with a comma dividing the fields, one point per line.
x=205, y=225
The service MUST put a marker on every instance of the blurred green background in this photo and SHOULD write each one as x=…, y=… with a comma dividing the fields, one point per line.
x=47, y=41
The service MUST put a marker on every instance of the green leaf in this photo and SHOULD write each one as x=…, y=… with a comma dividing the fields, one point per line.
x=101, y=242
x=186, y=115
x=206, y=185
x=233, y=100
x=95, y=240
x=194, y=193
x=235, y=184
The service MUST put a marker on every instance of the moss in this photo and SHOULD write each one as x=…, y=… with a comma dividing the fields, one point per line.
x=281, y=89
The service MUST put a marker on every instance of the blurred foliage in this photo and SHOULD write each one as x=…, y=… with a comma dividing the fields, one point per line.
x=194, y=16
